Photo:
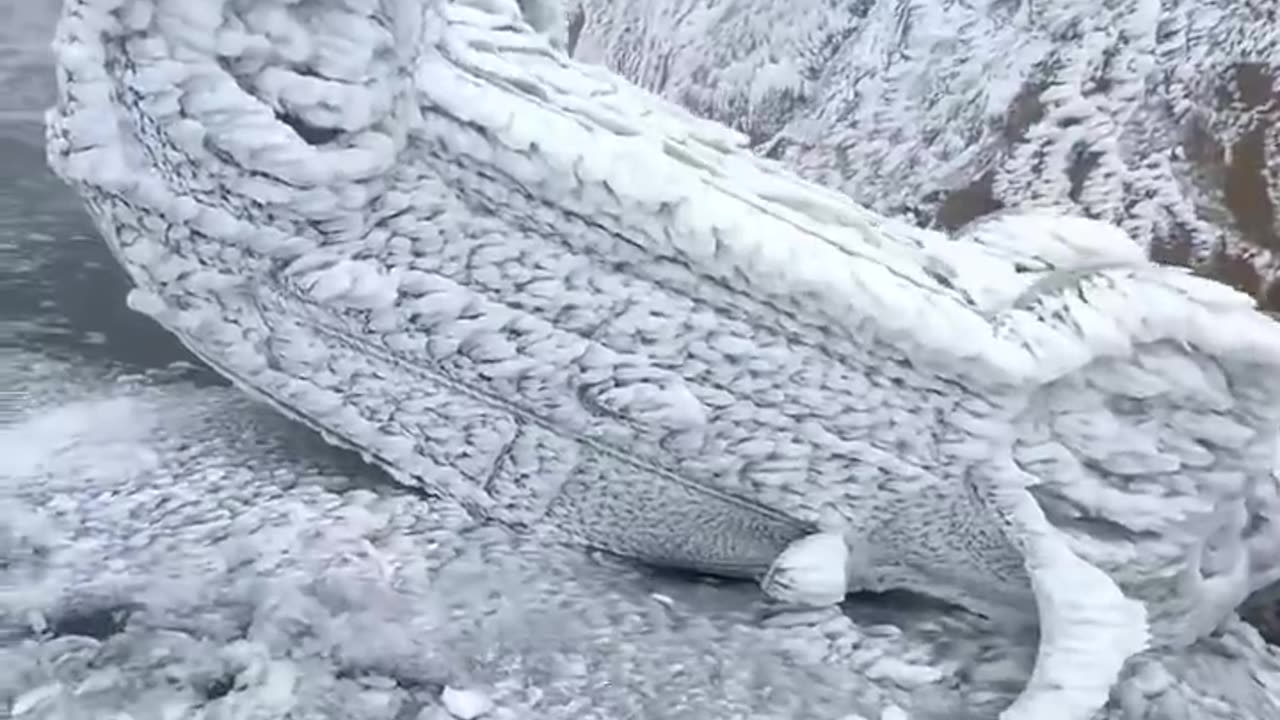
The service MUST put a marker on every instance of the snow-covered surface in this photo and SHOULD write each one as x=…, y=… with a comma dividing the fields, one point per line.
x=175, y=550
x=524, y=284
x=180, y=549
x=811, y=571
x=465, y=704
x=1160, y=115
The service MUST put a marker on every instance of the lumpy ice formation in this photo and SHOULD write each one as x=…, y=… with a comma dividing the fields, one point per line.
x=1162, y=117
x=575, y=310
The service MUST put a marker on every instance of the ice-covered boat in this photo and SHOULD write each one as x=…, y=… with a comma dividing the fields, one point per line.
x=519, y=281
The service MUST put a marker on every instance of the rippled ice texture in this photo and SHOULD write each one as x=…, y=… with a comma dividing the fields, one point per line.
x=1160, y=115
x=169, y=546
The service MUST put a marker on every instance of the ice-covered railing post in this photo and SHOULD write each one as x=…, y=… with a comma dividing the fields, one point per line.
x=517, y=280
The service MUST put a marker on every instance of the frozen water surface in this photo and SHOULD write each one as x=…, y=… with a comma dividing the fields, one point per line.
x=171, y=549
x=175, y=546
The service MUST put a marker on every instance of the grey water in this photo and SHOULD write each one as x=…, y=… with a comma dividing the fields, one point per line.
x=61, y=293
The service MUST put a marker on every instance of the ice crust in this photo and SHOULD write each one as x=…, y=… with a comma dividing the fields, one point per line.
x=223, y=546
x=177, y=548
x=519, y=282
x=1146, y=113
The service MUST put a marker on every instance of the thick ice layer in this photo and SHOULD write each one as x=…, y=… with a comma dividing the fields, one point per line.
x=1160, y=115
x=181, y=547
x=163, y=541
x=574, y=309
